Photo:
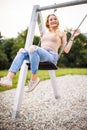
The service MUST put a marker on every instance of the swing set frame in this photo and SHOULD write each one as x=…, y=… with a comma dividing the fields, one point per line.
x=37, y=17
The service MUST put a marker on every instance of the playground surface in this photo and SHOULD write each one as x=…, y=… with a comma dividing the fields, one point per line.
x=41, y=111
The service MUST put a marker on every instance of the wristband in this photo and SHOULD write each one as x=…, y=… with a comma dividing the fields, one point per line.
x=71, y=40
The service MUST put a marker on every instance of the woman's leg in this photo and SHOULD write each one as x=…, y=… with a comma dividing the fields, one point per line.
x=36, y=55
x=10, y=75
x=15, y=66
x=18, y=61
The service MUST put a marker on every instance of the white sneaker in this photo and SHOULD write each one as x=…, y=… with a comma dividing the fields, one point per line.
x=32, y=84
x=5, y=81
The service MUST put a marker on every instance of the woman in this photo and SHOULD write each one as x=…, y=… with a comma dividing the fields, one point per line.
x=50, y=44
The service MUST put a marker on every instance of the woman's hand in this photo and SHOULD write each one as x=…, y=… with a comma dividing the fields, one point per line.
x=21, y=50
x=77, y=32
x=41, y=34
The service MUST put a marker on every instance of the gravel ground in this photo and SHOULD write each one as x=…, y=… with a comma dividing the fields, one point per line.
x=41, y=111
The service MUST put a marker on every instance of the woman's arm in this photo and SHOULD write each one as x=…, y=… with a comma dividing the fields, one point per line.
x=69, y=45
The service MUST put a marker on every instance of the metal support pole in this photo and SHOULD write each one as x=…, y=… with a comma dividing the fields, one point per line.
x=65, y=4
x=54, y=85
x=19, y=91
x=24, y=68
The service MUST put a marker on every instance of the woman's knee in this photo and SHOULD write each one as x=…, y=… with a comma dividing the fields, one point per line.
x=21, y=50
x=32, y=48
x=20, y=53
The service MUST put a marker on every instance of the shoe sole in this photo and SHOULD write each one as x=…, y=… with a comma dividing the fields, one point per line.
x=4, y=85
x=33, y=88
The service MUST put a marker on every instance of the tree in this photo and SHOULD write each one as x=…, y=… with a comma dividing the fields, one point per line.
x=7, y=47
x=3, y=59
x=10, y=47
x=1, y=38
x=77, y=57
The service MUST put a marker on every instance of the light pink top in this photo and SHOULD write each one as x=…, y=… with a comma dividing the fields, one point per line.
x=51, y=41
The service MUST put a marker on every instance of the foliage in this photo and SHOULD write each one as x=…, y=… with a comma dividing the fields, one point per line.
x=3, y=59
x=36, y=40
x=45, y=76
x=77, y=57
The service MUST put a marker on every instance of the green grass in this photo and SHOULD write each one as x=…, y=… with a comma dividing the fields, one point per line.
x=45, y=75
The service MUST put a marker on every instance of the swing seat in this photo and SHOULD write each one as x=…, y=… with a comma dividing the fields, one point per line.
x=45, y=66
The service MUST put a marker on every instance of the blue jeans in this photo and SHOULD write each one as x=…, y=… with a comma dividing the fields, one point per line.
x=34, y=57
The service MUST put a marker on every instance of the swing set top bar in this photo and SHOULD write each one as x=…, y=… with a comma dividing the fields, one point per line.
x=71, y=3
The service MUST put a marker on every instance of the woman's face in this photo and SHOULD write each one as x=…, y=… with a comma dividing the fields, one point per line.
x=53, y=21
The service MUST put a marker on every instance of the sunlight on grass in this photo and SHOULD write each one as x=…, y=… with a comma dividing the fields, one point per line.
x=44, y=75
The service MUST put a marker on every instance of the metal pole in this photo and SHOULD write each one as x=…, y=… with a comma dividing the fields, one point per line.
x=31, y=29
x=65, y=4
x=20, y=90
x=24, y=68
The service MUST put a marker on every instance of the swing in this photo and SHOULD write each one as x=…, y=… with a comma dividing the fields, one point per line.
x=52, y=66
x=46, y=66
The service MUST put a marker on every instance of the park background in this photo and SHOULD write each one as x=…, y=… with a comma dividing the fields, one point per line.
x=14, y=21
x=39, y=109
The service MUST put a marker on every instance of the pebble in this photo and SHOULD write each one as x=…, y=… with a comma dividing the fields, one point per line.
x=40, y=110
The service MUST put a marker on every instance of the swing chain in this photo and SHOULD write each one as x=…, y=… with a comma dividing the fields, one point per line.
x=71, y=36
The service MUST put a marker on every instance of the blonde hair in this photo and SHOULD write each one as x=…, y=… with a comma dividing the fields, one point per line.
x=47, y=21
